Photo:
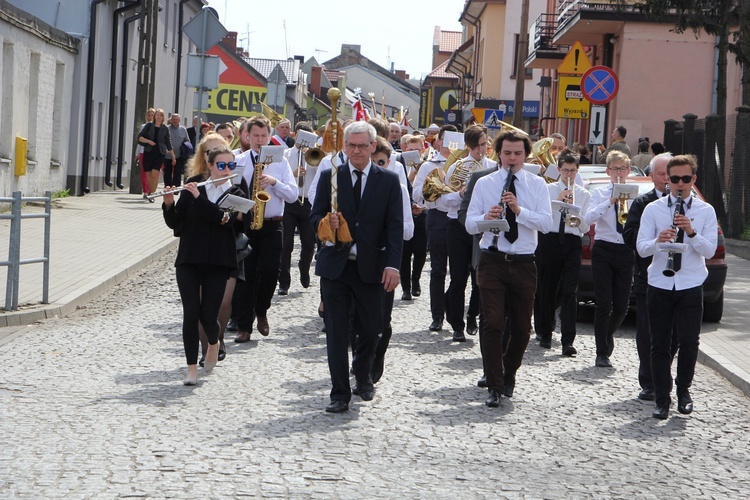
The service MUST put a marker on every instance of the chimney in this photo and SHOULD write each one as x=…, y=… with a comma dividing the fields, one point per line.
x=229, y=42
x=316, y=76
x=401, y=74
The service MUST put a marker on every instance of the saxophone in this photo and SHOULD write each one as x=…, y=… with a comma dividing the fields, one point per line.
x=259, y=196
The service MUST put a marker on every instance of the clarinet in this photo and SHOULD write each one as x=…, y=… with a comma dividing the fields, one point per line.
x=669, y=271
x=496, y=232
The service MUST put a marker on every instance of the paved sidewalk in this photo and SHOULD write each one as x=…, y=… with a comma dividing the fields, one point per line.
x=101, y=238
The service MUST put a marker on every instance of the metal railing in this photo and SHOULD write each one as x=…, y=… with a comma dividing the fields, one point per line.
x=14, y=261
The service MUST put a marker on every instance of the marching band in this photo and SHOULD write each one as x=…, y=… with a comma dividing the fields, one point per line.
x=517, y=234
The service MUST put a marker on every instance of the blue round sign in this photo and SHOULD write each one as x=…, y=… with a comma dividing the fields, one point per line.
x=599, y=85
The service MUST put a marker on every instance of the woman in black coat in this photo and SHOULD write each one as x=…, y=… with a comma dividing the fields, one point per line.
x=206, y=254
x=157, y=145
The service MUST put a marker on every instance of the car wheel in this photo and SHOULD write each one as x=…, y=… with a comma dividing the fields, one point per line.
x=712, y=312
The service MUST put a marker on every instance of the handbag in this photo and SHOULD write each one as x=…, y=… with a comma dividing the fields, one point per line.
x=186, y=149
x=241, y=244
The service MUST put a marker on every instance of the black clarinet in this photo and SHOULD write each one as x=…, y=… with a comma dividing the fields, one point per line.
x=496, y=232
x=669, y=271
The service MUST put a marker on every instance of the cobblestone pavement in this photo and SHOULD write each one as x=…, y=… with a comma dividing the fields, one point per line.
x=92, y=405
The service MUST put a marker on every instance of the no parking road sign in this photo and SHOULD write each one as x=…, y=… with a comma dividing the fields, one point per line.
x=599, y=85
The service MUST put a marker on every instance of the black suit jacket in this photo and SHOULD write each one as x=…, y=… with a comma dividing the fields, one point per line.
x=197, y=221
x=377, y=228
x=630, y=235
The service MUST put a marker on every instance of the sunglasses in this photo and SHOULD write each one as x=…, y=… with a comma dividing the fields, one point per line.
x=381, y=162
x=686, y=179
x=221, y=165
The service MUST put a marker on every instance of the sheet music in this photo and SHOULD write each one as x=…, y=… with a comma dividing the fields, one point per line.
x=497, y=224
x=236, y=203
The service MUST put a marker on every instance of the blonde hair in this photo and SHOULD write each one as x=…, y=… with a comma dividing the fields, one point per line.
x=614, y=156
x=197, y=165
x=157, y=111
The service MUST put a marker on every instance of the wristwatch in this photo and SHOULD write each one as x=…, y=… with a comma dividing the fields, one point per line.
x=692, y=235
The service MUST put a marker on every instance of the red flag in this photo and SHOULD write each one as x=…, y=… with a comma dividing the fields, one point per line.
x=358, y=110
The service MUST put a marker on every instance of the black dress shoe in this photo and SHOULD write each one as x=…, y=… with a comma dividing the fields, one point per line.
x=661, y=412
x=458, y=336
x=367, y=394
x=436, y=326
x=569, y=350
x=493, y=401
x=603, y=362
x=545, y=343
x=337, y=407
x=471, y=325
x=283, y=291
x=406, y=296
x=377, y=368
x=482, y=382
x=222, y=351
x=508, y=390
x=304, y=279
x=232, y=325
x=684, y=402
x=416, y=292
x=647, y=395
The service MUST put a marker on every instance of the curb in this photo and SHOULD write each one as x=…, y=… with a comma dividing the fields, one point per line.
x=724, y=367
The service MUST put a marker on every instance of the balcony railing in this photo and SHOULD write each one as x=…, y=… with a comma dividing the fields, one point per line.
x=569, y=8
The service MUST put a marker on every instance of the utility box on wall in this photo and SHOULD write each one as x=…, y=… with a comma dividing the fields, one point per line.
x=22, y=147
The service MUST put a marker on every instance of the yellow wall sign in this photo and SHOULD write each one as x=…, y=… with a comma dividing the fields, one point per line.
x=235, y=100
x=570, y=100
x=576, y=62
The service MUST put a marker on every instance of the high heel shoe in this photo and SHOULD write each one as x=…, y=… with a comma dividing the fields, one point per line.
x=222, y=351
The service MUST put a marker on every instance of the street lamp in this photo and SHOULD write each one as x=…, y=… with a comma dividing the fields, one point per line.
x=468, y=85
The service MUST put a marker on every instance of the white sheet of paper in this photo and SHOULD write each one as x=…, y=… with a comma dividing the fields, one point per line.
x=673, y=247
x=572, y=209
x=271, y=154
x=236, y=203
x=552, y=172
x=532, y=168
x=629, y=191
x=239, y=171
x=454, y=140
x=306, y=139
x=411, y=158
x=499, y=224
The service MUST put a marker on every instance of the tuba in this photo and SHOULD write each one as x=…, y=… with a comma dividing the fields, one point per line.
x=259, y=196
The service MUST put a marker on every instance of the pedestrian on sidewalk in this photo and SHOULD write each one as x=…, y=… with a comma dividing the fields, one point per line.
x=157, y=145
x=139, y=154
x=174, y=168
x=206, y=254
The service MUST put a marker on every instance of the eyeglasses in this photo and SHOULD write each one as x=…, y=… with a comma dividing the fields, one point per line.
x=381, y=162
x=361, y=147
x=568, y=170
x=686, y=179
x=221, y=165
x=619, y=169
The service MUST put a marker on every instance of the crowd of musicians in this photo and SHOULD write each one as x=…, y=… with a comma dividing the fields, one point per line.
x=488, y=214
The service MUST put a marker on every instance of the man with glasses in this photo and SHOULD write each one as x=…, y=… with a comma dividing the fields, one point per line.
x=262, y=265
x=370, y=200
x=611, y=260
x=559, y=261
x=676, y=299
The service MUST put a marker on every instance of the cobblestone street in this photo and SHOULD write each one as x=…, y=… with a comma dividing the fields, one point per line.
x=92, y=405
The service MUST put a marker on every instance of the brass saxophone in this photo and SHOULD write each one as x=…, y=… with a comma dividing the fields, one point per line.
x=259, y=196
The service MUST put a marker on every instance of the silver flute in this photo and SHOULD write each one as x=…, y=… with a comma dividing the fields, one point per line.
x=182, y=188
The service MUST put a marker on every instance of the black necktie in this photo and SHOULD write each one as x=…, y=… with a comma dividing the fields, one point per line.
x=512, y=233
x=561, y=229
x=680, y=239
x=357, y=189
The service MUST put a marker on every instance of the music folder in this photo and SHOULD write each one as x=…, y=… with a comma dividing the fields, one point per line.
x=571, y=209
x=271, y=154
x=411, y=158
x=673, y=247
x=496, y=224
x=306, y=139
x=628, y=191
x=236, y=203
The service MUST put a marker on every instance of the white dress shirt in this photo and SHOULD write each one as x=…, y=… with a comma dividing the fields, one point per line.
x=582, y=197
x=292, y=155
x=214, y=191
x=285, y=189
x=602, y=212
x=325, y=164
x=656, y=217
x=453, y=200
x=535, y=214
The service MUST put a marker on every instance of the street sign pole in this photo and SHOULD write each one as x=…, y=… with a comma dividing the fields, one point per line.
x=200, y=88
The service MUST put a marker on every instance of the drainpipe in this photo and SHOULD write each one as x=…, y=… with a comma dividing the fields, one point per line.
x=87, y=105
x=112, y=80
x=123, y=89
x=178, y=81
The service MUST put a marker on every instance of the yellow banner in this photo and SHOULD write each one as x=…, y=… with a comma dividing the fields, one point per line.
x=235, y=100
x=570, y=100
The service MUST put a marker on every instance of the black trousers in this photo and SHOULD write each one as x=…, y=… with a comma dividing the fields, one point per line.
x=368, y=323
x=460, y=249
x=504, y=285
x=261, y=272
x=296, y=215
x=684, y=310
x=201, y=290
x=643, y=338
x=437, y=224
x=417, y=247
x=558, y=268
x=612, y=268
x=173, y=175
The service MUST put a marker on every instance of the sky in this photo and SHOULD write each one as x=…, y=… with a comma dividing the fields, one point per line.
x=387, y=30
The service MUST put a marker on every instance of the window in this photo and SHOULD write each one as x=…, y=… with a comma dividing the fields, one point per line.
x=6, y=123
x=57, y=109
x=166, y=23
x=33, y=113
x=529, y=72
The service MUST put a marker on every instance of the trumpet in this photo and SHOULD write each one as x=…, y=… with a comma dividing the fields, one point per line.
x=182, y=188
x=496, y=232
x=622, y=207
x=572, y=220
x=669, y=271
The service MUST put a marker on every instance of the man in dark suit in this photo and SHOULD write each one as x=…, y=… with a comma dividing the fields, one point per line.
x=640, y=274
x=369, y=199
